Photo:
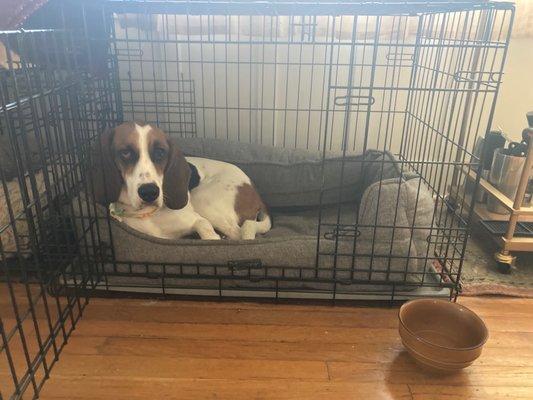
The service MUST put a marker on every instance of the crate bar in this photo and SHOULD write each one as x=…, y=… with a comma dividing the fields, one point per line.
x=274, y=8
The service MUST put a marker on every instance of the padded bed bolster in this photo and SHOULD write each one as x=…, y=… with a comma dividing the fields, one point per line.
x=294, y=177
x=398, y=209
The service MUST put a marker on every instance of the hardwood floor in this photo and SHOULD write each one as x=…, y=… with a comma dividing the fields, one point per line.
x=145, y=349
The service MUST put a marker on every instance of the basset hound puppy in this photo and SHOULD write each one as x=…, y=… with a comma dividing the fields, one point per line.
x=153, y=188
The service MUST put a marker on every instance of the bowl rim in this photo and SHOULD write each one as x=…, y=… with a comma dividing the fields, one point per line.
x=451, y=304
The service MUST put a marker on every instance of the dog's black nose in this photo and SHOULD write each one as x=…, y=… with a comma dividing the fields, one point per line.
x=148, y=192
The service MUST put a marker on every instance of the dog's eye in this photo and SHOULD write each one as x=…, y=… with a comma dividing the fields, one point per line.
x=125, y=154
x=158, y=154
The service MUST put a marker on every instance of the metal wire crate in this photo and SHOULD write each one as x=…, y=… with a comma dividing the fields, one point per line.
x=47, y=117
x=417, y=79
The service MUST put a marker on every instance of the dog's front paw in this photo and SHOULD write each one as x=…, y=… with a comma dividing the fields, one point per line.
x=213, y=236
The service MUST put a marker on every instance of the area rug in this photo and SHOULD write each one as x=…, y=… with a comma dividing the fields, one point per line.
x=481, y=276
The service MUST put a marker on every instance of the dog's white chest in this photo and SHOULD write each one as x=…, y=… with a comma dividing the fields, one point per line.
x=164, y=223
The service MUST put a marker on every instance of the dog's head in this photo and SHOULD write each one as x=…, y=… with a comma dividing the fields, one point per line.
x=141, y=165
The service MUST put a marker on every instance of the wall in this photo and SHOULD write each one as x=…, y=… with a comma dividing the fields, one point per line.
x=516, y=92
x=268, y=80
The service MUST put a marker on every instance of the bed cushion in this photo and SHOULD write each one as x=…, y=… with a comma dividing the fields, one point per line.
x=289, y=246
x=290, y=181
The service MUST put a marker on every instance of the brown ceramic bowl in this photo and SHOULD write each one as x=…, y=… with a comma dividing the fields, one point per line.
x=441, y=335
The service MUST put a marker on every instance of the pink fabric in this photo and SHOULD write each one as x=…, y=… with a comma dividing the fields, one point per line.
x=14, y=12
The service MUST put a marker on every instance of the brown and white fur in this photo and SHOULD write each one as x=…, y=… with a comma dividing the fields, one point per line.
x=141, y=168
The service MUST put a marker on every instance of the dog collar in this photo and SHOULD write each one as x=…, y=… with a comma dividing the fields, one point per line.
x=118, y=212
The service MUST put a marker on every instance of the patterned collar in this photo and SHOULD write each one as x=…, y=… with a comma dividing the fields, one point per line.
x=118, y=211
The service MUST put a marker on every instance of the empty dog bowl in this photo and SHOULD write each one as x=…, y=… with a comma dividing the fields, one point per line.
x=441, y=335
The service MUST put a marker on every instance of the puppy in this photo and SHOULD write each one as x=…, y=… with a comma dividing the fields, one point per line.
x=153, y=188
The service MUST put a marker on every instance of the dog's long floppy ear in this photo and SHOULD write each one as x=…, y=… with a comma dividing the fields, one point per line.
x=106, y=176
x=176, y=178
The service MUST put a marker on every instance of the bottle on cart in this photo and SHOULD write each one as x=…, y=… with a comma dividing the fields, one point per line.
x=526, y=134
x=506, y=170
x=493, y=140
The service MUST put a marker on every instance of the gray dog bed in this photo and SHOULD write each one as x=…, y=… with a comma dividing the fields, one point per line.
x=290, y=182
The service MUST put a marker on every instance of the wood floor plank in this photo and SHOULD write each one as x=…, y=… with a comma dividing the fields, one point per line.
x=238, y=332
x=404, y=370
x=357, y=352
x=302, y=306
x=171, y=367
x=322, y=316
x=448, y=392
x=492, y=305
x=357, y=317
x=271, y=333
x=220, y=389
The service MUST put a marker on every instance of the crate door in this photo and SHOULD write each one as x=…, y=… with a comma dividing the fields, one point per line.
x=371, y=61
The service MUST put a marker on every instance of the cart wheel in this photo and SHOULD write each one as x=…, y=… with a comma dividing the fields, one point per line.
x=504, y=268
x=505, y=262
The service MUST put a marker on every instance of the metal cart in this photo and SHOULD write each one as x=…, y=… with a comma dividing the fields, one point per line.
x=513, y=239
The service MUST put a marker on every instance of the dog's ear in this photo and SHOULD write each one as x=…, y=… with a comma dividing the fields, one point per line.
x=107, y=181
x=176, y=178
